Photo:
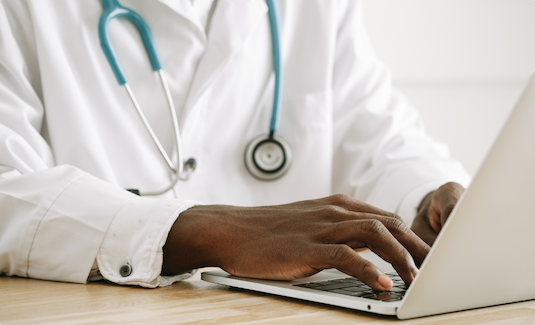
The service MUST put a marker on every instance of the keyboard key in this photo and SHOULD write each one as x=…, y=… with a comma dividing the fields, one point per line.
x=321, y=282
x=400, y=285
x=398, y=289
x=354, y=287
x=392, y=274
x=357, y=289
x=386, y=295
x=363, y=294
x=331, y=286
x=353, y=294
x=352, y=279
x=307, y=285
x=340, y=280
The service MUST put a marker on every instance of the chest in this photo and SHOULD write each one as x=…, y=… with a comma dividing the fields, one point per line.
x=222, y=86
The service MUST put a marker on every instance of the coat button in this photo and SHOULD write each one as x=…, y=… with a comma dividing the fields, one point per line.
x=125, y=270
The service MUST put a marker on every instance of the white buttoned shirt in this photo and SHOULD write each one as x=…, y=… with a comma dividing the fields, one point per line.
x=71, y=141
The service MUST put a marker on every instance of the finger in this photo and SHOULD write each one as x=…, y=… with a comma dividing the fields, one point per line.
x=430, y=211
x=345, y=259
x=347, y=232
x=348, y=203
x=373, y=234
x=423, y=230
x=433, y=216
x=450, y=195
x=445, y=212
x=412, y=242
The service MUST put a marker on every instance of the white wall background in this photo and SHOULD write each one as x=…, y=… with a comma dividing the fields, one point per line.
x=462, y=63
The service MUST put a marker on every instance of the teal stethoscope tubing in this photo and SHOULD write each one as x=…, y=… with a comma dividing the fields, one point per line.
x=277, y=68
x=112, y=9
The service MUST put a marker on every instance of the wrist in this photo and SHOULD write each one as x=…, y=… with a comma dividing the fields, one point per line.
x=188, y=244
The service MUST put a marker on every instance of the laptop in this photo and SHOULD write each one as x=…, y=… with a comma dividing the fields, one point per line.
x=484, y=256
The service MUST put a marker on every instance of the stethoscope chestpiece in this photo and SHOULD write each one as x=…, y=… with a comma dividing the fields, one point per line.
x=268, y=157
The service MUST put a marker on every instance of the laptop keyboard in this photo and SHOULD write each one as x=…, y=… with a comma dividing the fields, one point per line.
x=354, y=287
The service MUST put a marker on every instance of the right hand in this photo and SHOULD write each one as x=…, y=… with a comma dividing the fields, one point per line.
x=295, y=240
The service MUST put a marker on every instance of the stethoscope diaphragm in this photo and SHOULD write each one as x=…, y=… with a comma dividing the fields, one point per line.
x=268, y=157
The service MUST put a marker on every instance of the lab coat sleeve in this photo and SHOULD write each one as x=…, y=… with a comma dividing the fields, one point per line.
x=382, y=153
x=56, y=220
x=136, y=237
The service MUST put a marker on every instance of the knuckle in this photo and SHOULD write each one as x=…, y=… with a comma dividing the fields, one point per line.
x=374, y=227
x=341, y=200
x=339, y=253
x=363, y=267
x=403, y=253
x=395, y=224
x=331, y=210
x=451, y=185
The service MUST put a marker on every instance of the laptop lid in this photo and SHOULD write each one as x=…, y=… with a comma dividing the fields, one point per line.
x=485, y=254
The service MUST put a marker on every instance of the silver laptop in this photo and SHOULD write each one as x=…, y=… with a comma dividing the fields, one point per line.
x=484, y=256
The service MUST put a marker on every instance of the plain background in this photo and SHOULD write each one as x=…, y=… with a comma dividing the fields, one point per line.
x=462, y=63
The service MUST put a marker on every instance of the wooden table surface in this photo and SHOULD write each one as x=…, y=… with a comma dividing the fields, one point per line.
x=27, y=301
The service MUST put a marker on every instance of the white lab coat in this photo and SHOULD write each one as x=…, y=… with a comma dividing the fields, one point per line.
x=71, y=141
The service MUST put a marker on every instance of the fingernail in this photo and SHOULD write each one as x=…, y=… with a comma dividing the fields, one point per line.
x=415, y=272
x=385, y=281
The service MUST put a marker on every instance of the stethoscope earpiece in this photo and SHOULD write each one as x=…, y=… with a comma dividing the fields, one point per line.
x=268, y=157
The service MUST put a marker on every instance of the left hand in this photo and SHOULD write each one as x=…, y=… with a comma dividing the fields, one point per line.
x=434, y=210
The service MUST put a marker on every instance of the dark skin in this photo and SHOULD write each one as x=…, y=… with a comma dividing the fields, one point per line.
x=292, y=241
x=434, y=210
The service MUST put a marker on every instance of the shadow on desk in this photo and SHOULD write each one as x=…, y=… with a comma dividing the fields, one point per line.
x=27, y=301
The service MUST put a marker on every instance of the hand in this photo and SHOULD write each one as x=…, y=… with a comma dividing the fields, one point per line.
x=296, y=240
x=434, y=210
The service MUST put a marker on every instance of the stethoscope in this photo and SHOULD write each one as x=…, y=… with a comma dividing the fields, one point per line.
x=266, y=157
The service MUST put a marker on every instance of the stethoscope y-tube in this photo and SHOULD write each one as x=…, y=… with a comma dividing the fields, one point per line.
x=266, y=157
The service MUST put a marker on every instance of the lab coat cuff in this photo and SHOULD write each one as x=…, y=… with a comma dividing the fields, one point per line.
x=132, y=250
x=63, y=241
x=402, y=190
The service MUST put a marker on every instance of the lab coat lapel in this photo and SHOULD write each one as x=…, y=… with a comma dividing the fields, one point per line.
x=232, y=22
x=185, y=9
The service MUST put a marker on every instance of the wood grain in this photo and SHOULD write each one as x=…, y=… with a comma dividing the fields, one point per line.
x=27, y=301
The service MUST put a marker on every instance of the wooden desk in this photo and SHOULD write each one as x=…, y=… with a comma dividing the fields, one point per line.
x=26, y=301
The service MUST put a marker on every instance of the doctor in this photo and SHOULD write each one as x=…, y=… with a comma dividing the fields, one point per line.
x=71, y=142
